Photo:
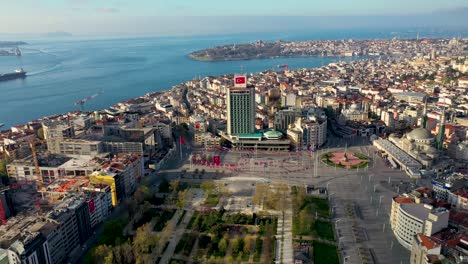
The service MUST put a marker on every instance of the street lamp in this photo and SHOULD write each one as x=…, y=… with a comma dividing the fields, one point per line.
x=340, y=241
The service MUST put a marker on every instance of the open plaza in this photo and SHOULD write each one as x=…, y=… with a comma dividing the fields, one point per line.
x=358, y=198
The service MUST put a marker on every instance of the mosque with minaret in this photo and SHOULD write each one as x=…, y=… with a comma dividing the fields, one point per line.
x=421, y=144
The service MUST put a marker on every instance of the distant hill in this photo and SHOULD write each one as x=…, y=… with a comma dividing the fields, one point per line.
x=57, y=34
x=12, y=43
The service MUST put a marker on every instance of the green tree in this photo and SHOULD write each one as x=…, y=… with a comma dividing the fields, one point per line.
x=40, y=133
x=235, y=246
x=123, y=253
x=175, y=185
x=142, y=193
x=247, y=244
x=113, y=232
x=207, y=186
x=3, y=163
x=144, y=241
x=182, y=199
x=222, y=246
x=102, y=254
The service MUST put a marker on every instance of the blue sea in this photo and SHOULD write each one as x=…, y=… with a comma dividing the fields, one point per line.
x=63, y=71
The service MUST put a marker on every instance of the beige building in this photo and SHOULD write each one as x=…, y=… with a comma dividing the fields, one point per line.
x=424, y=250
x=79, y=147
x=411, y=97
x=207, y=140
x=408, y=218
x=295, y=134
x=55, y=133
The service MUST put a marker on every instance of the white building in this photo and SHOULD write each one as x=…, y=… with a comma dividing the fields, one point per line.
x=388, y=118
x=354, y=113
x=408, y=219
x=288, y=99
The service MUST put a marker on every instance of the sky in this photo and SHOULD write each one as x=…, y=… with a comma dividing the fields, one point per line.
x=166, y=17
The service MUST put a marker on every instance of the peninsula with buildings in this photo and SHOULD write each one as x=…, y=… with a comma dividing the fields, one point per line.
x=321, y=48
x=11, y=43
x=356, y=162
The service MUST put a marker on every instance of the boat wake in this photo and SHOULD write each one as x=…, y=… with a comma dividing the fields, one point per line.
x=53, y=68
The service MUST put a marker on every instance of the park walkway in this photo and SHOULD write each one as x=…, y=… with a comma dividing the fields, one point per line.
x=285, y=250
x=177, y=235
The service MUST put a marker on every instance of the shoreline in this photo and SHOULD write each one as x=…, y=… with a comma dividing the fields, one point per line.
x=52, y=116
x=347, y=48
x=276, y=57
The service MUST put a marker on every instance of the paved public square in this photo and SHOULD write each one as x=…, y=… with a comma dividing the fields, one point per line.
x=361, y=198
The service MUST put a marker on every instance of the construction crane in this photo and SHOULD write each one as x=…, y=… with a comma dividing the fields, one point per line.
x=32, y=144
x=89, y=98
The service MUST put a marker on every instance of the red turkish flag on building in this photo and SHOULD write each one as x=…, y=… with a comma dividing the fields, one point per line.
x=240, y=81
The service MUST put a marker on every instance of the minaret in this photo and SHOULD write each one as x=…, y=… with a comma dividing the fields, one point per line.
x=441, y=135
x=424, y=116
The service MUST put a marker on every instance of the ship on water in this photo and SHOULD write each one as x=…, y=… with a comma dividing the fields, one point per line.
x=18, y=74
x=2, y=124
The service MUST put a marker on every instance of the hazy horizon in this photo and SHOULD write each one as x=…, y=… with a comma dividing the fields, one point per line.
x=154, y=18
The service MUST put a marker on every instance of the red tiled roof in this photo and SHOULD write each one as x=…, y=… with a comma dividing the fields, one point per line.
x=427, y=242
x=401, y=200
x=459, y=217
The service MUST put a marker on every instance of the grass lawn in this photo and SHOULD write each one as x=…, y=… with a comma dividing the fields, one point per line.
x=325, y=254
x=324, y=230
x=319, y=205
x=305, y=208
x=181, y=217
x=332, y=164
x=192, y=220
x=185, y=244
x=258, y=249
x=363, y=164
x=360, y=156
x=212, y=199
x=162, y=219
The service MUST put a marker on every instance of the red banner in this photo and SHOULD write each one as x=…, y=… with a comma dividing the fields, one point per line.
x=91, y=206
x=216, y=160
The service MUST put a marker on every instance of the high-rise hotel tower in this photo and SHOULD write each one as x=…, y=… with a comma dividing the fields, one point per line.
x=241, y=107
